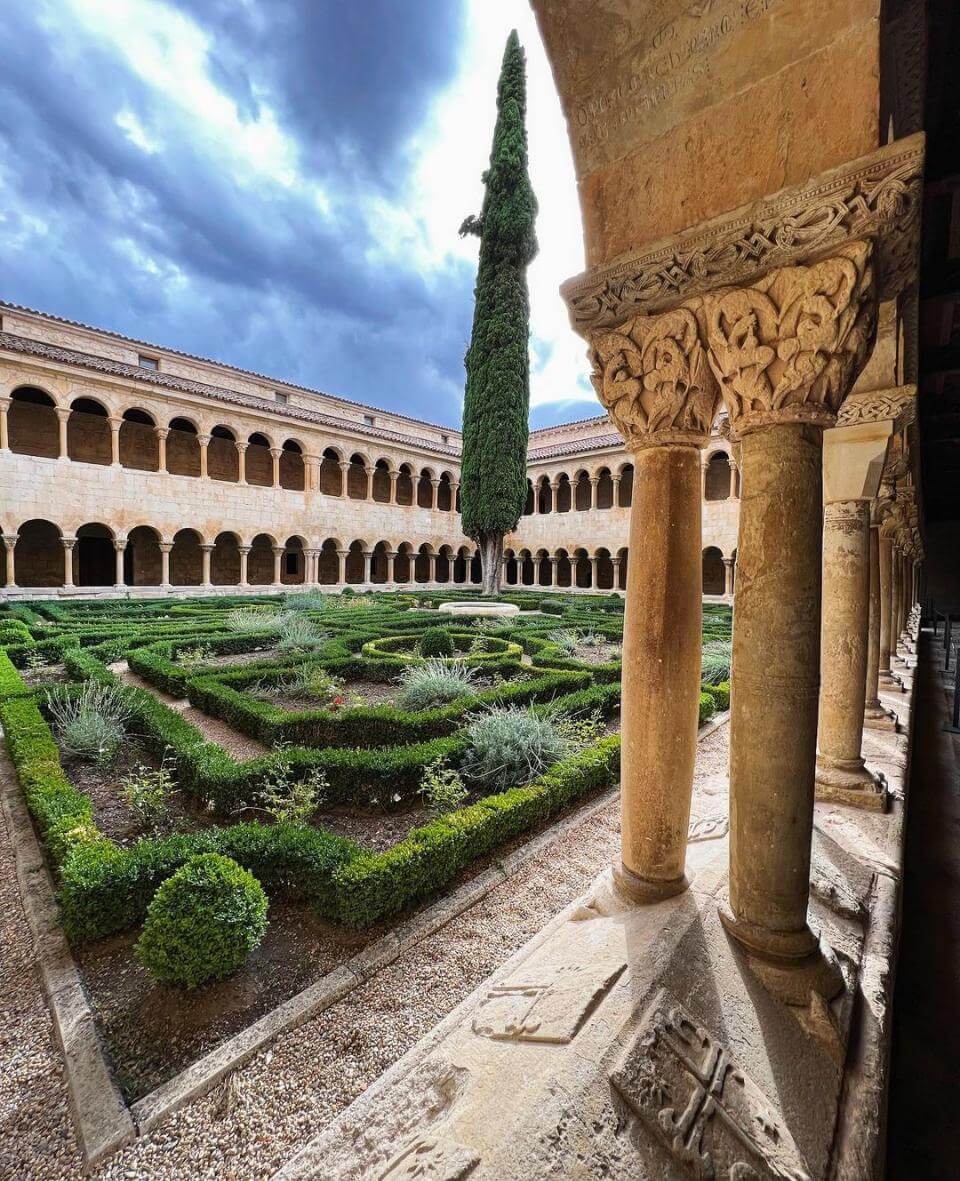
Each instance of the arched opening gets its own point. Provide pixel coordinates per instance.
(444, 493)
(293, 564)
(38, 555)
(717, 478)
(461, 565)
(223, 461)
(88, 436)
(186, 559)
(424, 495)
(33, 427)
(528, 570)
(380, 562)
(531, 497)
(355, 564)
(405, 485)
(544, 496)
(444, 564)
(564, 569)
(622, 569)
(258, 461)
(423, 564)
(582, 569)
(291, 467)
(331, 477)
(225, 560)
(510, 568)
(604, 569)
(713, 573)
(94, 558)
(357, 478)
(564, 497)
(626, 485)
(142, 561)
(582, 492)
(260, 560)
(328, 565)
(605, 489)
(381, 482)
(544, 568)
(139, 445)
(476, 569)
(183, 451)
(402, 563)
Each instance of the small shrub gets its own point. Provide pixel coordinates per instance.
(707, 708)
(313, 683)
(193, 659)
(251, 620)
(433, 683)
(146, 792)
(508, 747)
(306, 601)
(90, 723)
(592, 639)
(551, 607)
(565, 640)
(437, 642)
(579, 732)
(298, 632)
(715, 662)
(203, 922)
(720, 694)
(289, 802)
(442, 788)
(35, 661)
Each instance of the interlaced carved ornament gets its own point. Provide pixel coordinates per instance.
(897, 403)
(654, 379)
(789, 347)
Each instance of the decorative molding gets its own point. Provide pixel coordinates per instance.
(898, 403)
(876, 197)
(789, 347)
(654, 379)
(710, 1116)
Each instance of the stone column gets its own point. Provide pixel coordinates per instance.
(278, 552)
(652, 375)
(434, 489)
(204, 442)
(244, 555)
(342, 566)
(734, 477)
(593, 571)
(115, 425)
(704, 465)
(727, 576)
(275, 453)
(311, 473)
(554, 494)
(241, 462)
(594, 485)
(394, 476)
(10, 545)
(553, 570)
(206, 549)
(370, 474)
(391, 556)
(165, 548)
(894, 602)
(885, 543)
(344, 466)
(68, 543)
(120, 546)
(786, 350)
(63, 417)
(367, 561)
(875, 716)
(434, 558)
(454, 489)
(4, 425)
(616, 491)
(161, 433)
(615, 563)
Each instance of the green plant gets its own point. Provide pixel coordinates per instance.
(496, 401)
(551, 607)
(720, 694)
(89, 722)
(35, 660)
(306, 601)
(289, 801)
(203, 922)
(437, 642)
(565, 640)
(146, 792)
(297, 632)
(592, 639)
(433, 683)
(312, 682)
(578, 731)
(715, 661)
(251, 620)
(509, 746)
(442, 788)
(192, 659)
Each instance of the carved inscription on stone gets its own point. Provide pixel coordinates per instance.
(551, 1007)
(682, 1085)
(426, 1160)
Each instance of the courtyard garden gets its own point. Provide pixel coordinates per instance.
(236, 796)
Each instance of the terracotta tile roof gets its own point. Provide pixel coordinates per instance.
(576, 447)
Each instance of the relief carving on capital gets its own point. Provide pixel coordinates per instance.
(789, 347)
(897, 403)
(653, 377)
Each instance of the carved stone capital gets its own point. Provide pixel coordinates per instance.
(876, 198)
(788, 348)
(897, 404)
(653, 377)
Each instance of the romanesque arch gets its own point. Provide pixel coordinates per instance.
(32, 423)
(713, 572)
(88, 433)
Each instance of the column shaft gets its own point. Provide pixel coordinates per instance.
(120, 547)
(661, 668)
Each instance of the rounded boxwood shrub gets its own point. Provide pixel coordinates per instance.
(203, 922)
(551, 607)
(437, 642)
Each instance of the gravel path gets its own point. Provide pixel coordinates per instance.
(256, 1120)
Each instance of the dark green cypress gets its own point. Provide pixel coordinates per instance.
(496, 406)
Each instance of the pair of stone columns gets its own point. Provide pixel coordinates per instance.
(783, 353)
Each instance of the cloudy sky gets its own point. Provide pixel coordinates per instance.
(278, 184)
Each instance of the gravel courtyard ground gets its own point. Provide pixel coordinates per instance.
(250, 1125)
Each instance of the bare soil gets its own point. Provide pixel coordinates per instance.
(376, 829)
(47, 674)
(153, 1031)
(604, 654)
(240, 658)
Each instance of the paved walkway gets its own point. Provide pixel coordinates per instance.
(925, 1071)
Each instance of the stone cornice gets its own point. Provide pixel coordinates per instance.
(876, 197)
(897, 403)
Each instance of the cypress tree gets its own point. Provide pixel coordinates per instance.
(493, 483)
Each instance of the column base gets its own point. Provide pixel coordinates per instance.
(792, 966)
(642, 891)
(850, 783)
(876, 717)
